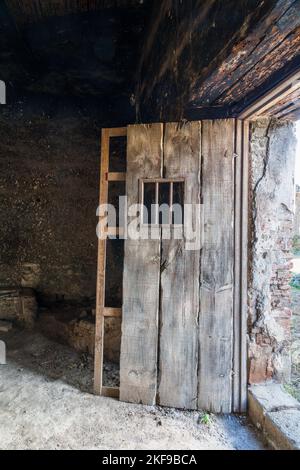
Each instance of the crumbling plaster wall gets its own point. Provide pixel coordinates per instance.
(272, 151)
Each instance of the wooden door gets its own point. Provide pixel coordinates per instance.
(178, 304)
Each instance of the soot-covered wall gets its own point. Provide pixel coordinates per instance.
(49, 184)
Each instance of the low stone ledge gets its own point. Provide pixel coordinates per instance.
(276, 414)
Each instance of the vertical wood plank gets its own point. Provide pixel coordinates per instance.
(179, 305)
(138, 362)
(241, 268)
(237, 267)
(100, 288)
(244, 265)
(216, 291)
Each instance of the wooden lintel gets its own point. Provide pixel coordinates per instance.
(271, 98)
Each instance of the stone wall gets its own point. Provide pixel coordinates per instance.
(272, 165)
(49, 190)
(49, 185)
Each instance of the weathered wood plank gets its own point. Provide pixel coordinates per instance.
(237, 266)
(247, 51)
(112, 312)
(244, 267)
(100, 288)
(269, 104)
(263, 69)
(138, 363)
(114, 176)
(178, 358)
(216, 278)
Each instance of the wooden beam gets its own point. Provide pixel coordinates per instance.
(240, 55)
(271, 98)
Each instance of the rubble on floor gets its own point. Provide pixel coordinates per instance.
(75, 326)
(5, 326)
(276, 414)
(56, 361)
(18, 305)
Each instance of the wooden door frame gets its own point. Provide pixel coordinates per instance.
(264, 106)
(240, 353)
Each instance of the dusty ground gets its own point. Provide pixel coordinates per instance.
(44, 404)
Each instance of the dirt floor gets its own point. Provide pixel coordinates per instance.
(45, 403)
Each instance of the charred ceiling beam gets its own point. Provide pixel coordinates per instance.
(256, 52)
(215, 54)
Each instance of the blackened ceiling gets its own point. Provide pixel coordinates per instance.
(72, 48)
(212, 58)
(172, 59)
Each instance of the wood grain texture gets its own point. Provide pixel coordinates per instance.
(100, 288)
(275, 100)
(244, 267)
(237, 266)
(179, 305)
(216, 278)
(138, 362)
(273, 30)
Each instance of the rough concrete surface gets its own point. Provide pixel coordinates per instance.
(41, 407)
(283, 429)
(277, 414)
(294, 386)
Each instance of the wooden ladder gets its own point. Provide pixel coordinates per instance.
(102, 311)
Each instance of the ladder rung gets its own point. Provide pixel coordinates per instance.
(117, 131)
(111, 392)
(114, 231)
(112, 312)
(116, 176)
